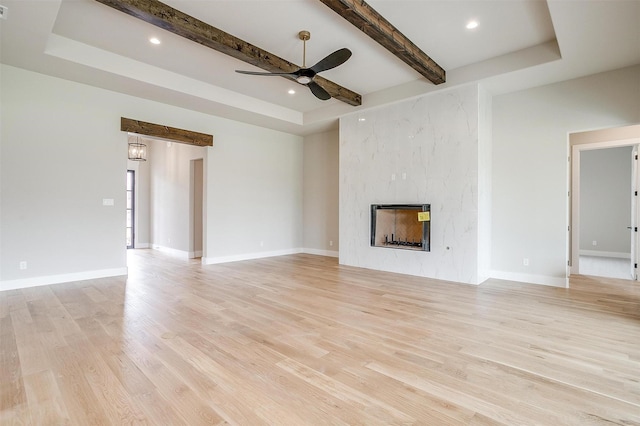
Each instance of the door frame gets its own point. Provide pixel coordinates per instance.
(574, 195)
(634, 213)
(193, 253)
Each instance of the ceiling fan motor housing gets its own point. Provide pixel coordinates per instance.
(305, 76)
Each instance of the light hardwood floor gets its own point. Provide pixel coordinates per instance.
(300, 340)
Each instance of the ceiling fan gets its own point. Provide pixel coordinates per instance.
(305, 76)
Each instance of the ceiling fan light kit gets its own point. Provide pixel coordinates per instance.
(305, 76)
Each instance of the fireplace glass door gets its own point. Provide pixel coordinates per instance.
(401, 226)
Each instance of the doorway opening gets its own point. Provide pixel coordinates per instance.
(166, 206)
(603, 218)
(606, 185)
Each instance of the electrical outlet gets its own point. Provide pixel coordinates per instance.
(525, 261)
(393, 176)
(261, 243)
(23, 265)
(594, 242)
(404, 176)
(331, 243)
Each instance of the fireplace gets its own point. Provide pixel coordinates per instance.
(401, 226)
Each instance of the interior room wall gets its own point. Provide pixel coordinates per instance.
(60, 159)
(605, 202)
(170, 184)
(320, 193)
(254, 192)
(425, 150)
(531, 167)
(63, 153)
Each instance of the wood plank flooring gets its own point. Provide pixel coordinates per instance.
(301, 340)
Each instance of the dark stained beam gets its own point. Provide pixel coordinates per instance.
(164, 132)
(170, 19)
(364, 17)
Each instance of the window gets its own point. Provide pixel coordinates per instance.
(131, 179)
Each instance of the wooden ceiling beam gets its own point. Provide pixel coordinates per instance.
(159, 131)
(370, 22)
(170, 19)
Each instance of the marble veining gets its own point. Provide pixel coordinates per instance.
(420, 151)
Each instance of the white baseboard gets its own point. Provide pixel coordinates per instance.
(62, 278)
(619, 255)
(531, 278)
(194, 254)
(142, 246)
(248, 256)
(317, 252)
(173, 252)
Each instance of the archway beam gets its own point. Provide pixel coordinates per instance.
(159, 131)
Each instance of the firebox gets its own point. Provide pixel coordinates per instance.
(401, 226)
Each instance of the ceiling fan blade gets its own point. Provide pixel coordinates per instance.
(336, 58)
(318, 91)
(279, 74)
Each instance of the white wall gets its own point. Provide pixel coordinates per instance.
(530, 166)
(254, 193)
(320, 206)
(63, 152)
(605, 201)
(432, 146)
(170, 186)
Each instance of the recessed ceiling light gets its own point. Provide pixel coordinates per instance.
(472, 24)
(291, 92)
(362, 119)
(154, 40)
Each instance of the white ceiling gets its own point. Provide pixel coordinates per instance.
(518, 44)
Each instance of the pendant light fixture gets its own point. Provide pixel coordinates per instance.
(137, 150)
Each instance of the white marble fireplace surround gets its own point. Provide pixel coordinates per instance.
(426, 150)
